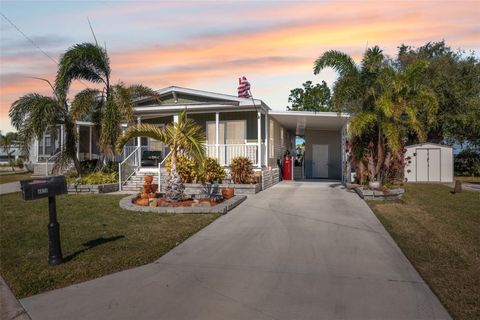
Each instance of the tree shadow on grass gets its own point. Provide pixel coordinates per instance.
(92, 244)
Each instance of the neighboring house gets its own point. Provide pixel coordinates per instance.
(234, 127)
(14, 152)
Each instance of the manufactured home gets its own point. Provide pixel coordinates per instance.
(234, 126)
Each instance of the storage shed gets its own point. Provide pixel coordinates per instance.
(429, 162)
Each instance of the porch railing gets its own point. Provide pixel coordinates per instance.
(128, 166)
(226, 152)
(162, 163)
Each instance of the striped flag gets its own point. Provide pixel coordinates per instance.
(243, 88)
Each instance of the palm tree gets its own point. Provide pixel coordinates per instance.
(384, 103)
(107, 107)
(34, 114)
(6, 142)
(183, 138)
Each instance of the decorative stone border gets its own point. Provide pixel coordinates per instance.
(93, 188)
(391, 194)
(240, 189)
(221, 208)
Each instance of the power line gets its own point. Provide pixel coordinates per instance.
(33, 42)
(28, 38)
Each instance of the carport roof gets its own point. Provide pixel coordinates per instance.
(299, 121)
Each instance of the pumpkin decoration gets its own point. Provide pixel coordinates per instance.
(142, 202)
(147, 188)
(152, 195)
(148, 179)
(144, 195)
(228, 192)
(154, 187)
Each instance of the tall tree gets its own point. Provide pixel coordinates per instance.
(384, 104)
(107, 107)
(454, 76)
(185, 137)
(310, 97)
(34, 114)
(7, 141)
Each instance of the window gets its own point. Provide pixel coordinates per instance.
(230, 132)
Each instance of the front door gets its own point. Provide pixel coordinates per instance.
(320, 161)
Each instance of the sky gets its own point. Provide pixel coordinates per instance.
(209, 44)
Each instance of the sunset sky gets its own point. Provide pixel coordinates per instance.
(208, 45)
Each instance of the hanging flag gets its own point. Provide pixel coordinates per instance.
(243, 88)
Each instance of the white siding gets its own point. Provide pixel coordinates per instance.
(429, 162)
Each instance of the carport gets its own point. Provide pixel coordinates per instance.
(325, 135)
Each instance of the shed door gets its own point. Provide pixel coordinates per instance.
(433, 164)
(320, 161)
(422, 164)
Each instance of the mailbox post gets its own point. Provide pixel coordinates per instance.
(48, 187)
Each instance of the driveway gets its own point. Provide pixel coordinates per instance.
(9, 187)
(299, 250)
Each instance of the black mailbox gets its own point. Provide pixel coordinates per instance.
(43, 187)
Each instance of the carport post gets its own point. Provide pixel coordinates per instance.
(259, 139)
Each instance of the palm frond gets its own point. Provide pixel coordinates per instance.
(142, 130)
(372, 59)
(84, 103)
(362, 122)
(36, 112)
(338, 61)
(85, 61)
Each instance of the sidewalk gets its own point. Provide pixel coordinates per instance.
(9, 187)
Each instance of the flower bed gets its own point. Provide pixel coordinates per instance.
(194, 205)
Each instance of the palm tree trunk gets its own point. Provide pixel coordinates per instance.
(174, 190)
(71, 145)
(380, 155)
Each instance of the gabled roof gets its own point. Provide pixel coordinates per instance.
(208, 95)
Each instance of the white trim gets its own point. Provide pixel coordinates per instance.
(265, 162)
(311, 114)
(259, 139)
(217, 132)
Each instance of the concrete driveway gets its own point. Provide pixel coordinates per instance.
(300, 250)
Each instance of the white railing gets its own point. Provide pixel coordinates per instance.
(226, 152)
(160, 170)
(49, 160)
(128, 167)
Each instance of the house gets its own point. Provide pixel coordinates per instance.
(234, 127)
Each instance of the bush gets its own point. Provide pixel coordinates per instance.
(467, 163)
(242, 170)
(19, 163)
(186, 168)
(93, 178)
(211, 170)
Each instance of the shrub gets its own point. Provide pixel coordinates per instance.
(467, 163)
(19, 163)
(211, 170)
(186, 168)
(110, 167)
(242, 170)
(93, 178)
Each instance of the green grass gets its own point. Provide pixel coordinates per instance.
(13, 176)
(97, 237)
(439, 232)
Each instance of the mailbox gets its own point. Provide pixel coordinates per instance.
(43, 187)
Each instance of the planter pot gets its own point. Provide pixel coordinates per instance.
(228, 192)
(154, 187)
(148, 179)
(152, 195)
(144, 196)
(374, 184)
(147, 188)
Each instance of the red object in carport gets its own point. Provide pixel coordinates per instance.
(287, 168)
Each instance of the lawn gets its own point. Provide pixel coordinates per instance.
(97, 236)
(14, 176)
(439, 232)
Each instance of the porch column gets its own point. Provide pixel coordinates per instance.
(175, 118)
(78, 142)
(259, 139)
(90, 145)
(265, 162)
(36, 144)
(139, 143)
(217, 135)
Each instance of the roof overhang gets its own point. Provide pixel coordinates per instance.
(299, 121)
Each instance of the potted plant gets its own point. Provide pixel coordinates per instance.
(148, 179)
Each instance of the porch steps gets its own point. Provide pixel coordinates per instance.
(136, 181)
